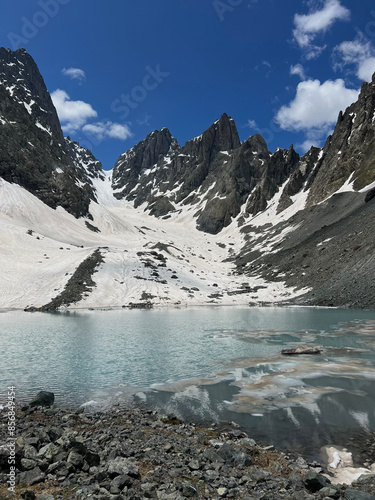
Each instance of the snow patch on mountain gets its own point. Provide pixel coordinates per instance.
(166, 263)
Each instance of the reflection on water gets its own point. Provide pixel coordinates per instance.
(301, 402)
(205, 364)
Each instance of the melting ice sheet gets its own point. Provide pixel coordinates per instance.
(301, 402)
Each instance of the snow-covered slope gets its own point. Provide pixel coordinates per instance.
(166, 262)
(216, 221)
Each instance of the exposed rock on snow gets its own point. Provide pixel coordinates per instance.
(303, 349)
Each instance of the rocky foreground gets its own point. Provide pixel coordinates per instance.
(139, 454)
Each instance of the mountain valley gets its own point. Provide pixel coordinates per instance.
(216, 221)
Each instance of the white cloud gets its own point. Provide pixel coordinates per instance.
(74, 73)
(73, 114)
(366, 69)
(308, 26)
(103, 130)
(298, 70)
(358, 53)
(252, 124)
(315, 108)
(313, 138)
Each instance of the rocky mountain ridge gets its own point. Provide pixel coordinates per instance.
(223, 177)
(33, 151)
(256, 219)
(214, 172)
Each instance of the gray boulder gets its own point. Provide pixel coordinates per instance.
(43, 398)
(31, 477)
(231, 456)
(315, 482)
(122, 467)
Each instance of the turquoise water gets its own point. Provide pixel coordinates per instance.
(205, 362)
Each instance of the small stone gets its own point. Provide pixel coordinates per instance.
(295, 481)
(222, 492)
(92, 458)
(194, 465)
(189, 491)
(30, 452)
(248, 442)
(75, 459)
(28, 464)
(121, 481)
(211, 455)
(149, 489)
(329, 492)
(351, 494)
(301, 463)
(28, 495)
(231, 456)
(48, 451)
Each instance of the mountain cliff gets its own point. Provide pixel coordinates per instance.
(216, 220)
(33, 151)
(214, 173)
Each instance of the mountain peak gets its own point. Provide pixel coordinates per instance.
(143, 156)
(220, 136)
(227, 135)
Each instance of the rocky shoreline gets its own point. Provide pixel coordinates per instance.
(136, 453)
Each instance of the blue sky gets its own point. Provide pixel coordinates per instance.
(117, 70)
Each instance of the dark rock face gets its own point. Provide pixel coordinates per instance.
(161, 207)
(33, 151)
(214, 173)
(130, 167)
(350, 150)
(221, 136)
(84, 161)
(299, 178)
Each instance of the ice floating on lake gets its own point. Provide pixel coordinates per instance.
(89, 403)
(341, 466)
(141, 395)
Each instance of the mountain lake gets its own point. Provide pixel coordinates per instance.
(204, 364)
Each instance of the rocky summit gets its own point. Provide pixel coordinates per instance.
(215, 221)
